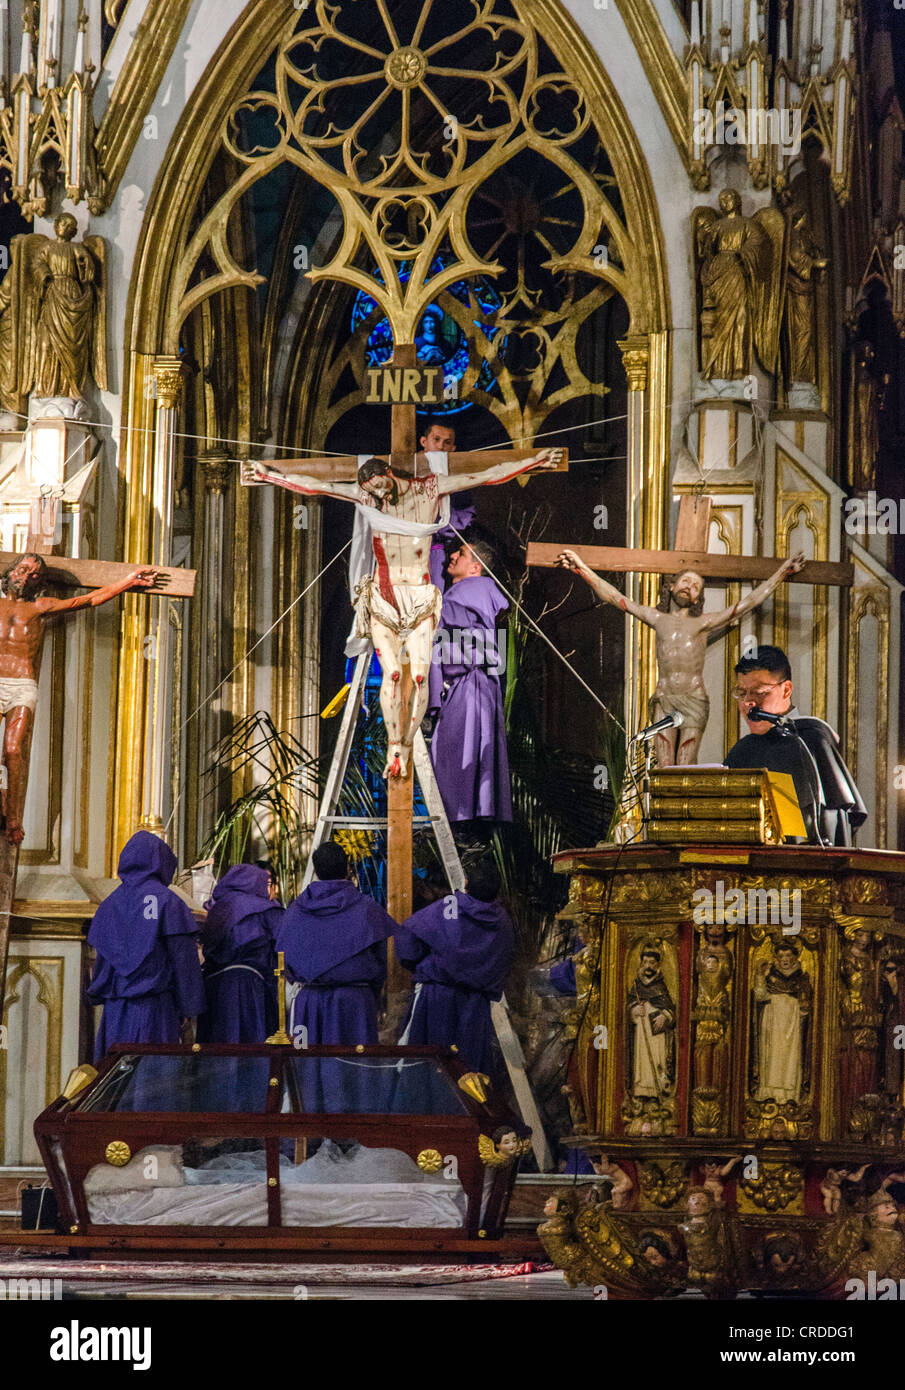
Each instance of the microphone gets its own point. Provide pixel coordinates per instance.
(764, 716)
(672, 721)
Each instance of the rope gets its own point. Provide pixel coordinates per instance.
(540, 632)
(285, 613)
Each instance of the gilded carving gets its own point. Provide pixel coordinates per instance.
(707, 1245)
(712, 1014)
(861, 1018)
(799, 323)
(53, 315)
(663, 1184)
(777, 1187)
(740, 267)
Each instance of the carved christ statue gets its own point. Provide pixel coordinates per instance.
(683, 631)
(397, 607)
(23, 620)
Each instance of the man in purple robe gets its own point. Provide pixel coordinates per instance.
(439, 435)
(237, 939)
(334, 938)
(468, 749)
(147, 974)
(460, 951)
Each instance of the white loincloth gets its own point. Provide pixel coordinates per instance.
(694, 708)
(17, 693)
(415, 602)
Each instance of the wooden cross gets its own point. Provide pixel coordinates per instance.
(403, 456)
(690, 553)
(81, 574)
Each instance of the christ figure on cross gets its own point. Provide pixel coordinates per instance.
(397, 607)
(23, 620)
(683, 631)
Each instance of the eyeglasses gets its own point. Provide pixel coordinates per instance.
(755, 695)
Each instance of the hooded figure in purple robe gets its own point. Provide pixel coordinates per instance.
(147, 974)
(459, 956)
(334, 938)
(468, 749)
(238, 936)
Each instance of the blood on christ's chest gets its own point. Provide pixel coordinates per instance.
(417, 499)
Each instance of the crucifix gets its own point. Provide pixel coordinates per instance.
(397, 607)
(682, 629)
(24, 616)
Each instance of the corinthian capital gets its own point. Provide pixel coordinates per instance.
(168, 375)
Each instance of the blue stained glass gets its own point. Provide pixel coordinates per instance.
(439, 341)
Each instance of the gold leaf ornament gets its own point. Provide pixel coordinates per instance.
(430, 1161)
(118, 1153)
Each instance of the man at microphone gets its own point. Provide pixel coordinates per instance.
(781, 740)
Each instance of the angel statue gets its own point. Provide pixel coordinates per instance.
(503, 1148)
(52, 316)
(741, 264)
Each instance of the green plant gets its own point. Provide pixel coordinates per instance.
(284, 783)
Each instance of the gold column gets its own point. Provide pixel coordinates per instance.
(211, 658)
(645, 357)
(158, 644)
(147, 458)
(635, 359)
(136, 466)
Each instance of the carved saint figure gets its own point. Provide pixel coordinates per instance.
(397, 605)
(713, 1008)
(799, 325)
(23, 620)
(52, 316)
(740, 271)
(892, 1004)
(861, 1020)
(651, 1051)
(683, 632)
(782, 994)
(866, 395)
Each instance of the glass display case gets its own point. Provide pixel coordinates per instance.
(258, 1145)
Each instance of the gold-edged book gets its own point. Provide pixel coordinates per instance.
(722, 782)
(706, 808)
(724, 806)
(710, 832)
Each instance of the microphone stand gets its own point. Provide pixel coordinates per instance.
(788, 731)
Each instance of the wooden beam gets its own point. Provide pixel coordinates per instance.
(718, 569)
(344, 469)
(400, 789)
(95, 574)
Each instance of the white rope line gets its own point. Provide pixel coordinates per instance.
(128, 428)
(540, 632)
(285, 613)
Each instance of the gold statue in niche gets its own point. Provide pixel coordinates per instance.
(866, 393)
(53, 316)
(712, 1014)
(799, 324)
(861, 1018)
(740, 265)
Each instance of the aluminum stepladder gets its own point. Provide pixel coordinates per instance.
(328, 820)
